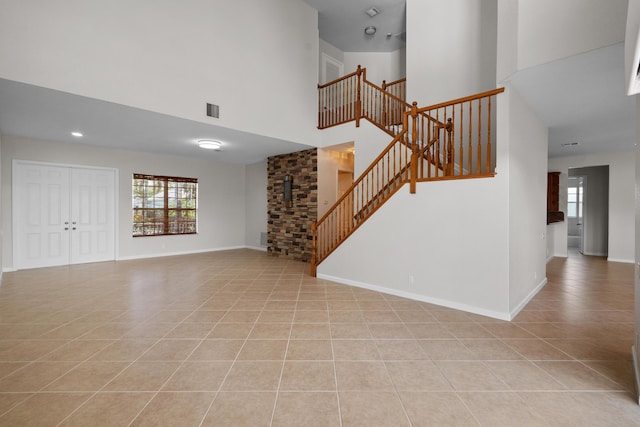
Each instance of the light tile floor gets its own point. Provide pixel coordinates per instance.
(241, 338)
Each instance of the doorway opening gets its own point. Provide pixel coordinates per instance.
(588, 211)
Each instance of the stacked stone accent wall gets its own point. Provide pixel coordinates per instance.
(289, 228)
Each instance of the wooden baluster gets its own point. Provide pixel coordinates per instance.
(449, 147)
(470, 160)
(479, 137)
(489, 136)
(461, 147)
(358, 96)
(414, 147)
(314, 255)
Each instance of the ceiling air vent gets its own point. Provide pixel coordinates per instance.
(570, 144)
(213, 110)
(372, 11)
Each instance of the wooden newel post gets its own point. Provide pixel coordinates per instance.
(314, 232)
(414, 148)
(450, 155)
(358, 96)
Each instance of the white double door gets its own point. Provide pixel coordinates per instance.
(62, 215)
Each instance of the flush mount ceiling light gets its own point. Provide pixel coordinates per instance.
(77, 134)
(372, 11)
(370, 30)
(210, 144)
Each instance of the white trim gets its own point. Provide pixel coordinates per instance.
(165, 254)
(257, 248)
(627, 261)
(8, 270)
(527, 299)
(324, 59)
(418, 297)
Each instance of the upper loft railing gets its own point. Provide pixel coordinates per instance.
(353, 97)
(450, 140)
(397, 88)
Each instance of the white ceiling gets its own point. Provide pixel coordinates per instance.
(582, 99)
(40, 113)
(342, 23)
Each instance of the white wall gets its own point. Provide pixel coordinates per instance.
(258, 60)
(451, 49)
(550, 29)
(221, 199)
(369, 141)
(621, 200)
(333, 52)
(527, 170)
(256, 203)
(455, 259)
(380, 66)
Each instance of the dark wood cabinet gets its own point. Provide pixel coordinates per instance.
(553, 198)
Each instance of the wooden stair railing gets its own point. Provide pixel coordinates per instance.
(450, 140)
(386, 174)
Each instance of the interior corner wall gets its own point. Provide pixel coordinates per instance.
(527, 147)
(549, 30)
(289, 226)
(451, 49)
(622, 169)
(256, 59)
(331, 51)
(221, 199)
(256, 203)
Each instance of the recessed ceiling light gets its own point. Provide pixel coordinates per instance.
(210, 144)
(370, 30)
(77, 134)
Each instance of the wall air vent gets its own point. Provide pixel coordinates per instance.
(213, 110)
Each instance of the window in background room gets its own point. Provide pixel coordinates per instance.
(574, 199)
(164, 205)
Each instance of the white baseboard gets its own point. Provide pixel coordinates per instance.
(626, 261)
(528, 298)
(166, 254)
(594, 253)
(8, 269)
(418, 297)
(257, 248)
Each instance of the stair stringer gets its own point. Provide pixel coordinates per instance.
(446, 245)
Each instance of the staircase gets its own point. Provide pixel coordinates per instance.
(451, 140)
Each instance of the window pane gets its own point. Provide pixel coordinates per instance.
(571, 210)
(163, 205)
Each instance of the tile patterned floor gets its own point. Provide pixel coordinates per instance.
(239, 338)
